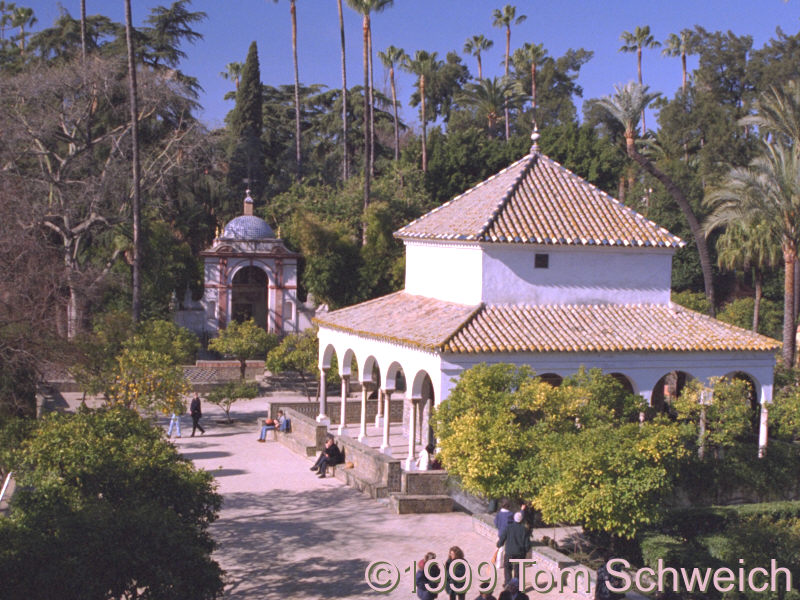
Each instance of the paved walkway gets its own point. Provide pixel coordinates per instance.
(284, 533)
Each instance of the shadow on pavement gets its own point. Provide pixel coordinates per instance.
(205, 454)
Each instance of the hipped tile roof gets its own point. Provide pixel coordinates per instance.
(447, 327)
(536, 200)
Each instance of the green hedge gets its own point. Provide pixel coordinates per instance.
(690, 522)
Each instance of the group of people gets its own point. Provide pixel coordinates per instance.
(269, 424)
(195, 410)
(454, 578)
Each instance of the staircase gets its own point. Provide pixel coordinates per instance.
(422, 492)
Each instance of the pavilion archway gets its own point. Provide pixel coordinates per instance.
(249, 299)
(667, 389)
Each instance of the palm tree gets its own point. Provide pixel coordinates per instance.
(345, 166)
(390, 57)
(634, 42)
(749, 246)
(364, 8)
(424, 65)
(22, 17)
(474, 46)
(233, 71)
(767, 191)
(6, 16)
(530, 56)
(506, 18)
(626, 105)
(778, 114)
(136, 304)
(681, 45)
(489, 97)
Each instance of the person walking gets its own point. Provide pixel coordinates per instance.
(196, 412)
(174, 423)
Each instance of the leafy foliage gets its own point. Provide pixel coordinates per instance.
(296, 353)
(227, 394)
(243, 341)
(110, 509)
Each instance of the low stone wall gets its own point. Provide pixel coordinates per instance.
(307, 436)
(372, 472)
(424, 482)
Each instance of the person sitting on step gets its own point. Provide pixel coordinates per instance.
(331, 455)
(268, 425)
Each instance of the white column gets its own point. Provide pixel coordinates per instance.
(385, 447)
(343, 424)
(411, 462)
(379, 415)
(365, 389)
(322, 417)
(762, 432)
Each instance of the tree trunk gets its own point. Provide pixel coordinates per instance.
(683, 80)
(688, 213)
(639, 71)
(83, 30)
(533, 91)
(757, 282)
(480, 67)
(505, 103)
(789, 256)
(345, 167)
(136, 308)
(396, 123)
(365, 28)
(76, 312)
(371, 107)
(296, 88)
(424, 130)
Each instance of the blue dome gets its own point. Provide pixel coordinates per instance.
(248, 228)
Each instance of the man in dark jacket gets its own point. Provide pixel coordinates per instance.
(330, 456)
(196, 412)
(517, 542)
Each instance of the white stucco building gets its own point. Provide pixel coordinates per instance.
(535, 266)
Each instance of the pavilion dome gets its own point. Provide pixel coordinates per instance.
(248, 227)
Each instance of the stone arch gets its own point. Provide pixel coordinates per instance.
(348, 358)
(422, 391)
(668, 387)
(370, 372)
(249, 294)
(624, 381)
(395, 377)
(326, 357)
(554, 379)
(752, 399)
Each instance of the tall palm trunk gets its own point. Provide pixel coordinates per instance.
(345, 167)
(365, 30)
(480, 67)
(683, 65)
(396, 122)
(505, 104)
(789, 257)
(758, 281)
(293, 9)
(688, 213)
(83, 30)
(639, 71)
(136, 304)
(371, 105)
(533, 91)
(424, 125)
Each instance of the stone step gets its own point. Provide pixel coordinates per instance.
(408, 504)
(348, 476)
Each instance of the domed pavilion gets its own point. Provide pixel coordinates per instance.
(249, 273)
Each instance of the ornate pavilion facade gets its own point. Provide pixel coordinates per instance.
(534, 266)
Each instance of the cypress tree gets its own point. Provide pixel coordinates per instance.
(247, 150)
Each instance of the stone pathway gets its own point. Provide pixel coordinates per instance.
(284, 533)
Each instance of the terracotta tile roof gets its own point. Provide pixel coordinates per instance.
(401, 318)
(601, 328)
(447, 327)
(536, 200)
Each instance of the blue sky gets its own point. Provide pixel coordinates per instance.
(441, 26)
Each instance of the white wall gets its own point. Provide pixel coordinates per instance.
(449, 271)
(575, 275)
(642, 369)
